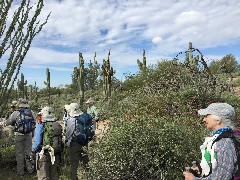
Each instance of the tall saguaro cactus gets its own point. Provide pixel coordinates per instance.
(143, 65)
(107, 74)
(21, 87)
(36, 92)
(192, 61)
(81, 78)
(48, 87)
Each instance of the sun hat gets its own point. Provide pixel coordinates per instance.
(14, 103)
(222, 110)
(47, 114)
(90, 100)
(22, 103)
(74, 110)
(67, 107)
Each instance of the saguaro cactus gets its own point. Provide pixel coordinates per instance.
(21, 86)
(190, 59)
(48, 87)
(36, 93)
(143, 65)
(107, 74)
(81, 78)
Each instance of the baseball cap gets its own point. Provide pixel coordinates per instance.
(223, 110)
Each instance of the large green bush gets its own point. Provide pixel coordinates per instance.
(147, 148)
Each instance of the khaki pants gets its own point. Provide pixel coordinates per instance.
(76, 154)
(23, 145)
(46, 170)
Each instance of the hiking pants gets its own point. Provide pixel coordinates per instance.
(23, 145)
(76, 154)
(46, 170)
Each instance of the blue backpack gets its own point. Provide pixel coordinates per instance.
(26, 123)
(83, 132)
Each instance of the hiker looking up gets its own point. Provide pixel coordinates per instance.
(92, 110)
(218, 151)
(78, 134)
(47, 145)
(24, 121)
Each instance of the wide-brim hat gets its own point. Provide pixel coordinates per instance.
(74, 110)
(22, 103)
(47, 114)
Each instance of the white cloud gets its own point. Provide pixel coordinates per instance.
(163, 28)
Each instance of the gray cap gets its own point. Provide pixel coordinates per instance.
(222, 110)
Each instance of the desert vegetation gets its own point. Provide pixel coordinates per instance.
(151, 127)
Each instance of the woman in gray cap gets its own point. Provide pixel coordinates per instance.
(219, 156)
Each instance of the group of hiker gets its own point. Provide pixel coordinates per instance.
(40, 140)
(220, 152)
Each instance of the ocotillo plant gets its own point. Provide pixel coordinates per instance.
(143, 65)
(16, 38)
(81, 78)
(48, 85)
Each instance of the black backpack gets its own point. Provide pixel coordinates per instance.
(83, 132)
(25, 123)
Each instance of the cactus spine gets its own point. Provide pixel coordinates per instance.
(81, 78)
(143, 65)
(48, 87)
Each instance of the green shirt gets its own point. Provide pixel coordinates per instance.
(93, 112)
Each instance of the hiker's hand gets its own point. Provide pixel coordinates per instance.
(188, 175)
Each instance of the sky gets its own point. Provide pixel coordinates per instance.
(162, 27)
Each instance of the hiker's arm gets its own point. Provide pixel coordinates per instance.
(37, 138)
(226, 156)
(12, 119)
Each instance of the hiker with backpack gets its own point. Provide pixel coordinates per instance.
(220, 154)
(47, 145)
(78, 133)
(92, 110)
(24, 121)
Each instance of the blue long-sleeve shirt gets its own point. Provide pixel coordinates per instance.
(38, 138)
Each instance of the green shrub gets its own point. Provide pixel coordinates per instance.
(147, 148)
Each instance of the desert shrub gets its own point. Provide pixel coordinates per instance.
(147, 148)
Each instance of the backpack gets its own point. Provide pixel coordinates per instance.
(52, 136)
(83, 131)
(26, 122)
(236, 140)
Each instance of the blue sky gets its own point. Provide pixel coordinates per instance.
(162, 27)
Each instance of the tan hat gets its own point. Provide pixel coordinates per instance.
(74, 110)
(90, 100)
(22, 103)
(47, 114)
(67, 107)
(14, 103)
